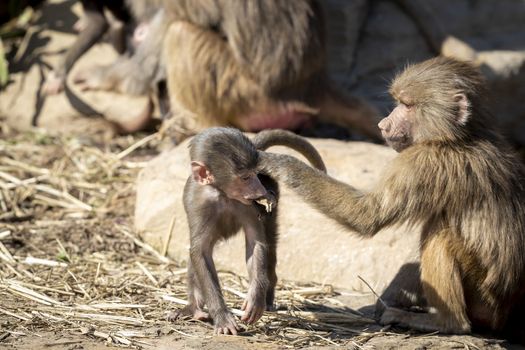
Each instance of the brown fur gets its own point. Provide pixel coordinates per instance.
(456, 177)
(253, 65)
(267, 57)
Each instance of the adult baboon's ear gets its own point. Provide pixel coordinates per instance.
(463, 108)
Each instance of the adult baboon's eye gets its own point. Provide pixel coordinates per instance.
(406, 105)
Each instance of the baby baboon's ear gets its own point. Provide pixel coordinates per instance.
(201, 173)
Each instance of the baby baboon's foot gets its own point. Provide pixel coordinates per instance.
(188, 311)
(225, 323)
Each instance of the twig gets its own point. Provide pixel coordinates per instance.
(116, 306)
(167, 239)
(98, 272)
(24, 166)
(37, 261)
(335, 317)
(373, 291)
(174, 299)
(49, 289)
(136, 145)
(78, 284)
(31, 294)
(327, 289)
(48, 190)
(8, 255)
(235, 292)
(5, 234)
(147, 273)
(184, 334)
(14, 315)
(24, 182)
(110, 318)
(146, 246)
(11, 268)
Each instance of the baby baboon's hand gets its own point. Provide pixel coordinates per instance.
(253, 308)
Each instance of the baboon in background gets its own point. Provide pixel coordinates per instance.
(224, 194)
(456, 177)
(92, 26)
(133, 15)
(250, 64)
(127, 28)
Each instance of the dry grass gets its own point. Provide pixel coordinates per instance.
(70, 261)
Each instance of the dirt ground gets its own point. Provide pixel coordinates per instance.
(74, 274)
(206, 342)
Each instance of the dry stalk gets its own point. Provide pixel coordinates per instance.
(115, 287)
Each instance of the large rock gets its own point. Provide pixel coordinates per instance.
(312, 247)
(390, 38)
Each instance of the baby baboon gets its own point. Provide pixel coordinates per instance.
(226, 193)
(456, 177)
(253, 65)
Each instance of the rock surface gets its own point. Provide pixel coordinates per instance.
(23, 105)
(312, 247)
(369, 51)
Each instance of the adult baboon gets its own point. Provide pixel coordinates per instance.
(250, 64)
(456, 177)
